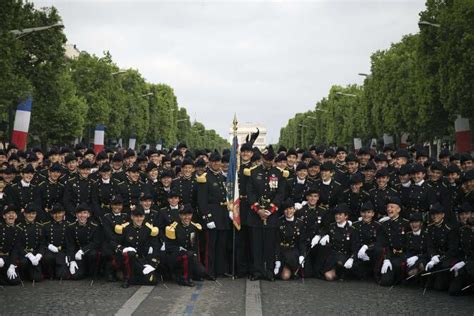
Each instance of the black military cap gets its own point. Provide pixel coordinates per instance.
(388, 148)
(69, 158)
(150, 166)
(465, 157)
(53, 151)
(117, 157)
(268, 153)
(394, 200)
(245, 147)
(291, 152)
(31, 208)
(287, 204)
(436, 165)
(167, 174)
(416, 217)
(327, 166)
(172, 194)
(468, 176)
(32, 158)
(370, 166)
(436, 208)
(351, 158)
(339, 149)
(363, 151)
(37, 150)
(152, 151)
(129, 153)
(453, 168)
(320, 149)
(187, 162)
(301, 166)
(404, 170)
(82, 207)
(341, 208)
(422, 152)
(329, 153)
(314, 163)
(175, 153)
(146, 196)
(200, 163)
(382, 173)
(418, 168)
(80, 147)
(9, 170)
(141, 158)
(105, 168)
(367, 206)
(299, 151)
(380, 158)
(102, 155)
(186, 209)
(58, 207)
(134, 168)
(356, 178)
(166, 158)
(9, 208)
(85, 164)
(138, 211)
(78, 154)
(116, 199)
(89, 151)
(401, 153)
(56, 167)
(311, 190)
(281, 157)
(465, 207)
(182, 145)
(281, 149)
(176, 163)
(28, 169)
(215, 156)
(225, 159)
(444, 153)
(13, 157)
(454, 157)
(306, 155)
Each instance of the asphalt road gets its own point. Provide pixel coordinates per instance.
(229, 297)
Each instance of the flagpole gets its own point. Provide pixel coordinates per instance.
(234, 134)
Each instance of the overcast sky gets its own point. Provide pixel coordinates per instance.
(264, 61)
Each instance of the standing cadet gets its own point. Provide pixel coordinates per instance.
(169, 214)
(49, 192)
(265, 191)
(329, 189)
(31, 247)
(9, 246)
(355, 196)
(421, 195)
(54, 261)
(83, 238)
(212, 202)
(381, 194)
(186, 185)
(298, 186)
(78, 190)
(132, 188)
(151, 214)
(102, 192)
(182, 248)
(22, 193)
(137, 246)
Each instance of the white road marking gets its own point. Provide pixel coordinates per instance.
(253, 302)
(134, 301)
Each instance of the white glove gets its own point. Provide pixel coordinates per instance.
(73, 267)
(163, 247)
(150, 250)
(147, 269)
(2, 263)
(384, 219)
(67, 261)
(79, 254)
(362, 254)
(458, 266)
(315, 240)
(349, 263)
(360, 218)
(435, 259)
(231, 216)
(411, 261)
(211, 225)
(182, 249)
(386, 266)
(430, 265)
(324, 240)
(128, 249)
(298, 206)
(36, 259)
(301, 261)
(11, 273)
(53, 248)
(349, 222)
(30, 257)
(304, 203)
(277, 267)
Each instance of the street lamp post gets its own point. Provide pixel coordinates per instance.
(363, 74)
(118, 72)
(23, 32)
(339, 94)
(149, 94)
(428, 23)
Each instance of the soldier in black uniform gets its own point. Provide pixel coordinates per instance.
(102, 192)
(152, 180)
(329, 189)
(392, 242)
(166, 179)
(298, 186)
(78, 190)
(355, 196)
(31, 245)
(9, 246)
(366, 229)
(212, 201)
(314, 168)
(168, 215)
(421, 194)
(265, 191)
(132, 188)
(463, 270)
(49, 192)
(291, 244)
(417, 246)
(137, 249)
(404, 187)
(182, 248)
(71, 170)
(83, 239)
(151, 214)
(186, 185)
(380, 194)
(118, 172)
(343, 242)
(109, 221)
(54, 257)
(444, 250)
(22, 193)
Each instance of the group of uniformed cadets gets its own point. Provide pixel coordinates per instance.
(397, 216)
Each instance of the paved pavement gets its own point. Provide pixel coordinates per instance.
(228, 297)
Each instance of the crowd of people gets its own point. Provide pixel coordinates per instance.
(394, 216)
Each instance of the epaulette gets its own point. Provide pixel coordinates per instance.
(72, 224)
(119, 228)
(337, 182)
(61, 184)
(356, 222)
(46, 223)
(248, 171)
(372, 190)
(430, 224)
(170, 231)
(202, 178)
(93, 224)
(405, 220)
(154, 230)
(393, 189)
(197, 225)
(284, 173)
(41, 183)
(345, 191)
(19, 227)
(449, 228)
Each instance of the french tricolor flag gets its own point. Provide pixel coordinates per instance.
(22, 123)
(99, 136)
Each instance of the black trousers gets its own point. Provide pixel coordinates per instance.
(54, 265)
(88, 266)
(396, 274)
(28, 271)
(216, 252)
(263, 243)
(133, 265)
(185, 265)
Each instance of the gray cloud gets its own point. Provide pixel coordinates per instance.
(263, 60)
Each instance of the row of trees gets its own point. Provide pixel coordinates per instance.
(72, 96)
(417, 86)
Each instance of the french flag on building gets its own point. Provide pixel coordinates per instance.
(22, 123)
